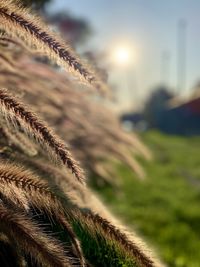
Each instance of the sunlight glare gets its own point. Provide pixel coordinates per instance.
(121, 55)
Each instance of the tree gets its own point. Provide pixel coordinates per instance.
(37, 4)
(75, 30)
(156, 103)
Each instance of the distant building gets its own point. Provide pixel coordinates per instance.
(182, 118)
(172, 116)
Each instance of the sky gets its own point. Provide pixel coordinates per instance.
(149, 29)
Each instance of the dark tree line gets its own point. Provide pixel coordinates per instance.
(37, 4)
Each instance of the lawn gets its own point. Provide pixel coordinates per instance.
(165, 208)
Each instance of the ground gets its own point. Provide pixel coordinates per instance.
(165, 208)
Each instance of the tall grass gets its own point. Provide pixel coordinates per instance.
(48, 218)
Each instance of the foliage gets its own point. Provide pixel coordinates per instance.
(164, 209)
(156, 104)
(36, 3)
(75, 30)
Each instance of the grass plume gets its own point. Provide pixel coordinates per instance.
(17, 114)
(26, 234)
(37, 195)
(18, 21)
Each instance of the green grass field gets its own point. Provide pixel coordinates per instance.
(165, 208)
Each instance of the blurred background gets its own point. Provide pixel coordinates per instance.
(148, 53)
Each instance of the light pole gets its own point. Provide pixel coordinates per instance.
(181, 55)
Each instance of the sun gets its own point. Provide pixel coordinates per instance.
(121, 55)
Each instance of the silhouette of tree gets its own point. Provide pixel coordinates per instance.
(75, 30)
(37, 4)
(156, 103)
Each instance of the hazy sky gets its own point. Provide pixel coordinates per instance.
(149, 27)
